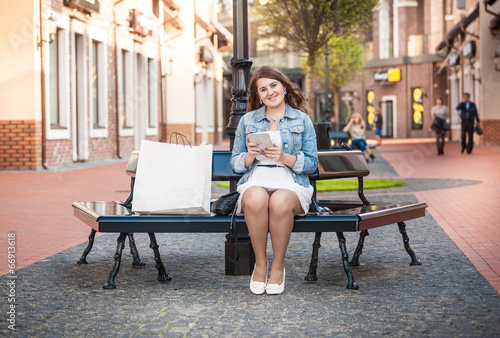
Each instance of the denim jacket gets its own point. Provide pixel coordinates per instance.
(298, 139)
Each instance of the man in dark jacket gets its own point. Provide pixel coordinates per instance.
(468, 112)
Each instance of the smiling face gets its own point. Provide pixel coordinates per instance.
(271, 92)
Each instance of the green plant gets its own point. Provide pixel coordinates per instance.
(345, 184)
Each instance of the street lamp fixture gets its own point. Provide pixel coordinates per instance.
(52, 30)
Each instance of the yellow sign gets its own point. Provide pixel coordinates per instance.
(370, 101)
(394, 75)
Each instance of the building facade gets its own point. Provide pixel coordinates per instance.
(419, 50)
(88, 80)
(400, 70)
(471, 60)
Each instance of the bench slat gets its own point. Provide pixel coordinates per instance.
(113, 217)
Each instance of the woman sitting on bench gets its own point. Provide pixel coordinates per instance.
(356, 128)
(275, 186)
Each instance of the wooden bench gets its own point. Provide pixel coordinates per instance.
(344, 216)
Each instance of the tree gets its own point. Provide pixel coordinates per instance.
(345, 61)
(309, 24)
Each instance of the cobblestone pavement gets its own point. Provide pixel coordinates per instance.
(446, 296)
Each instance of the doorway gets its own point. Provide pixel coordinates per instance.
(387, 107)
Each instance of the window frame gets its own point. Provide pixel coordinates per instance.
(97, 37)
(125, 85)
(60, 130)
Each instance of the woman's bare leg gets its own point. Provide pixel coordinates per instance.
(283, 206)
(255, 206)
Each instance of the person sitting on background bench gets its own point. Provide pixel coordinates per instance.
(275, 189)
(356, 128)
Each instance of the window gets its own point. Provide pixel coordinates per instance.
(57, 82)
(152, 93)
(156, 8)
(55, 119)
(95, 84)
(384, 31)
(126, 115)
(98, 75)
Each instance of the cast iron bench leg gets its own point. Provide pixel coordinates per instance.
(83, 259)
(359, 248)
(406, 241)
(118, 257)
(351, 284)
(162, 273)
(311, 275)
(136, 262)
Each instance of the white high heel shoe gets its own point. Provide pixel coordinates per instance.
(257, 288)
(276, 289)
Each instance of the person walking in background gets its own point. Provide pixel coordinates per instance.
(378, 126)
(440, 124)
(275, 185)
(468, 111)
(356, 128)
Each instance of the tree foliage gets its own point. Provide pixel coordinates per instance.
(345, 61)
(309, 24)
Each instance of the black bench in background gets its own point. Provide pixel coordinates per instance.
(345, 216)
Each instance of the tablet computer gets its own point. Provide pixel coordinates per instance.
(263, 139)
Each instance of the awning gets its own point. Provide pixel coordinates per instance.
(171, 4)
(205, 25)
(224, 37)
(451, 55)
(172, 19)
(457, 29)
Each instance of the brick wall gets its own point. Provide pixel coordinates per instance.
(19, 149)
(491, 132)
(187, 130)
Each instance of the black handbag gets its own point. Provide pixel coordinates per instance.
(479, 130)
(225, 204)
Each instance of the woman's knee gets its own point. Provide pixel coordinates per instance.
(255, 199)
(283, 203)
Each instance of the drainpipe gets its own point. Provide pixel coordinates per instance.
(117, 101)
(42, 76)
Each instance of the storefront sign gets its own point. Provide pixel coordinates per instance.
(370, 108)
(84, 5)
(390, 75)
(140, 23)
(417, 108)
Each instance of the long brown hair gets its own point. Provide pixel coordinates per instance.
(294, 97)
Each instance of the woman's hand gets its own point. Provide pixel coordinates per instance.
(275, 153)
(253, 149)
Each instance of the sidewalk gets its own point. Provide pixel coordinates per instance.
(37, 205)
(469, 215)
(446, 296)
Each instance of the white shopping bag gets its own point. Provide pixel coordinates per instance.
(173, 179)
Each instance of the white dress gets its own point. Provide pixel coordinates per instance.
(275, 178)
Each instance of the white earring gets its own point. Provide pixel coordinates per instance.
(260, 101)
(285, 91)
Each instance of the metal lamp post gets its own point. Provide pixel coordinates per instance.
(240, 64)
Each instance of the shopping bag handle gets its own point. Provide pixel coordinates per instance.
(182, 137)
